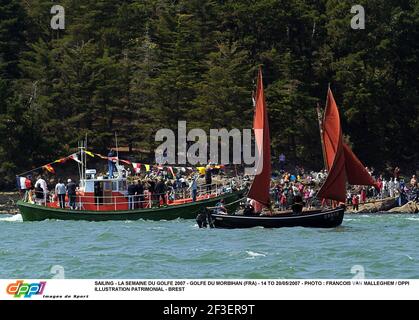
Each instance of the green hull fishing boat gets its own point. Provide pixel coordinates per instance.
(36, 212)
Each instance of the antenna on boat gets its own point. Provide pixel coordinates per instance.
(117, 152)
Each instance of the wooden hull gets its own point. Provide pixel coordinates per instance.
(312, 219)
(33, 212)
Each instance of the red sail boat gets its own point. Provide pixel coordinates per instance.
(342, 164)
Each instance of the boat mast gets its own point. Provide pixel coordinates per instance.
(117, 152)
(319, 119)
(82, 164)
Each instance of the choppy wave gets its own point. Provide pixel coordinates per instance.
(255, 254)
(13, 218)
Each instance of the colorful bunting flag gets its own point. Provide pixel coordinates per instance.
(89, 153)
(137, 167)
(62, 160)
(147, 167)
(49, 168)
(75, 157)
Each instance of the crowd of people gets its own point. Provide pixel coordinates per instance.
(286, 186)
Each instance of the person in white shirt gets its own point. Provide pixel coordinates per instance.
(42, 183)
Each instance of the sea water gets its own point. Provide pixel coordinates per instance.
(373, 246)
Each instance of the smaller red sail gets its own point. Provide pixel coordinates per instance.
(259, 189)
(355, 170)
(334, 187)
(341, 162)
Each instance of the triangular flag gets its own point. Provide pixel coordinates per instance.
(100, 156)
(147, 167)
(49, 168)
(137, 167)
(75, 157)
(62, 160)
(89, 153)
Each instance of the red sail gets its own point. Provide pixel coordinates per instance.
(332, 132)
(355, 170)
(334, 187)
(341, 162)
(259, 190)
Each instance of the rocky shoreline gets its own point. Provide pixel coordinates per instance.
(8, 202)
(384, 206)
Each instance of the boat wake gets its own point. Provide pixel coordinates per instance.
(13, 218)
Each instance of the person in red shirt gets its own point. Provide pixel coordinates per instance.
(355, 202)
(28, 183)
(363, 195)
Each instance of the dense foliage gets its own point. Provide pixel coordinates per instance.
(134, 66)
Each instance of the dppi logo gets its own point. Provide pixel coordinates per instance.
(27, 290)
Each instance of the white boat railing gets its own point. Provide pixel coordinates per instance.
(136, 201)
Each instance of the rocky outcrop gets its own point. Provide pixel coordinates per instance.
(375, 206)
(410, 207)
(7, 202)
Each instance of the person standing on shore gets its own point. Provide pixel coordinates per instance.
(413, 181)
(281, 162)
(396, 173)
(355, 202)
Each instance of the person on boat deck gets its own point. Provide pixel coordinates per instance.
(60, 192)
(160, 192)
(43, 185)
(249, 210)
(132, 190)
(256, 205)
(139, 198)
(221, 209)
(22, 185)
(71, 192)
(98, 193)
(297, 206)
(193, 186)
(111, 165)
(28, 183)
(208, 177)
